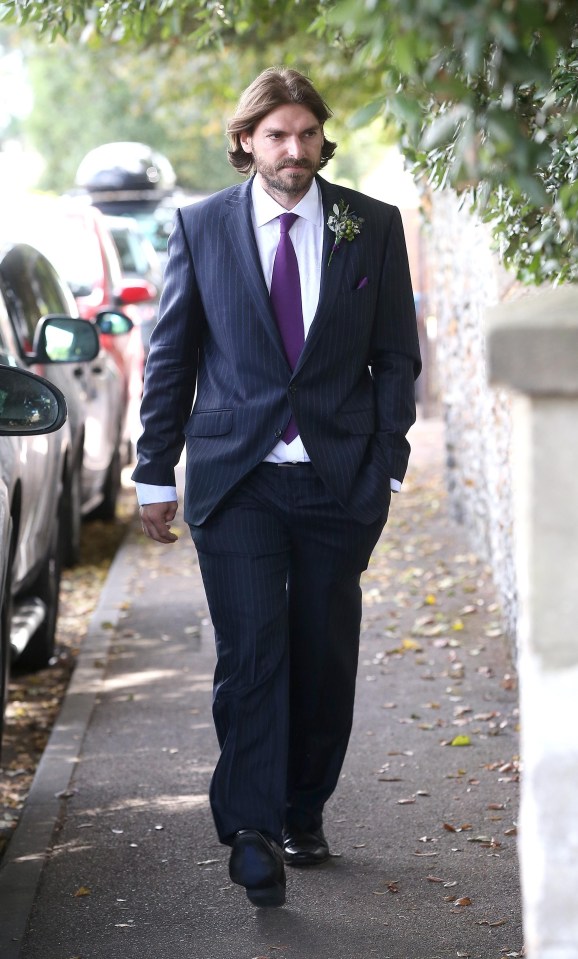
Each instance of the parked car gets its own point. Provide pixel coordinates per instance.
(32, 490)
(155, 219)
(74, 236)
(32, 289)
(127, 178)
(139, 261)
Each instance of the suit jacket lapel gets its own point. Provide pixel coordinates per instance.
(331, 273)
(239, 229)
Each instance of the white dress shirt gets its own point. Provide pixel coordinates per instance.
(307, 238)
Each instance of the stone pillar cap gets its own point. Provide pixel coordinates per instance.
(533, 343)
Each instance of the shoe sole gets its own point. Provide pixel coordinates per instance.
(304, 862)
(257, 873)
(272, 897)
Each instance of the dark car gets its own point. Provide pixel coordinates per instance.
(132, 179)
(32, 492)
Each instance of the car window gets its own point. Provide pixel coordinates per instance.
(32, 289)
(4, 321)
(130, 251)
(75, 251)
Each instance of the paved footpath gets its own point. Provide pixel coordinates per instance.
(115, 856)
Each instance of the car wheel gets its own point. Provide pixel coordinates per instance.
(72, 516)
(40, 648)
(107, 509)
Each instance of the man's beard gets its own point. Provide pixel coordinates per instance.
(292, 184)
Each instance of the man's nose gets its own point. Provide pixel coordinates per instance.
(295, 147)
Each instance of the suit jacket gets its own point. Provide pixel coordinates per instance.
(217, 375)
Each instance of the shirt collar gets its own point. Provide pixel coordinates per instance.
(266, 208)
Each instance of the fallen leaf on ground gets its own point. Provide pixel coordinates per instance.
(461, 741)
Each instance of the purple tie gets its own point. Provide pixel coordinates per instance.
(286, 301)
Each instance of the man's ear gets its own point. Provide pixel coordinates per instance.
(246, 142)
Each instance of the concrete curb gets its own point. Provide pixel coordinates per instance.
(30, 844)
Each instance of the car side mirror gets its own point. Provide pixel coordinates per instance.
(65, 339)
(29, 404)
(113, 323)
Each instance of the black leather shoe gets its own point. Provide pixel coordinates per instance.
(257, 864)
(305, 848)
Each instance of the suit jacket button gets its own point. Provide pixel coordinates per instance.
(292, 389)
(278, 433)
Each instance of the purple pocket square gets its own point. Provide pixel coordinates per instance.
(363, 282)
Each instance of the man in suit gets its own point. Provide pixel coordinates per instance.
(285, 355)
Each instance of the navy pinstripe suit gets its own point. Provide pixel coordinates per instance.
(281, 550)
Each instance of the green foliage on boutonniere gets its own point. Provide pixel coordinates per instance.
(344, 224)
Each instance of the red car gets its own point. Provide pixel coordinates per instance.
(75, 237)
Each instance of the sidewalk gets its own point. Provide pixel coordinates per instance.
(422, 831)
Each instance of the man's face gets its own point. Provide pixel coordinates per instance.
(286, 147)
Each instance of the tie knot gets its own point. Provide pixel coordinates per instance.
(287, 220)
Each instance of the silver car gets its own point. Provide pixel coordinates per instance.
(32, 288)
(31, 491)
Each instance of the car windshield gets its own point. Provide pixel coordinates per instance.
(156, 226)
(131, 252)
(75, 252)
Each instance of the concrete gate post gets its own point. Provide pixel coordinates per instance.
(533, 351)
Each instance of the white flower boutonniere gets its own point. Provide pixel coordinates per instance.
(344, 224)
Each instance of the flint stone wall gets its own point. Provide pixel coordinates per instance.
(465, 279)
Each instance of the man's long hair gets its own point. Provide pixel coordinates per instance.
(275, 87)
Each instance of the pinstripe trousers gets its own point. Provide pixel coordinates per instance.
(281, 562)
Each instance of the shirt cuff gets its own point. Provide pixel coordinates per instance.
(395, 486)
(147, 493)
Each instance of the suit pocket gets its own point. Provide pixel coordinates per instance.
(358, 421)
(209, 423)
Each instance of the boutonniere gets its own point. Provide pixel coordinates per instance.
(344, 224)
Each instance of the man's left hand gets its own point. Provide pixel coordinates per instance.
(156, 519)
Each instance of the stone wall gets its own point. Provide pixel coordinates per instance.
(465, 279)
